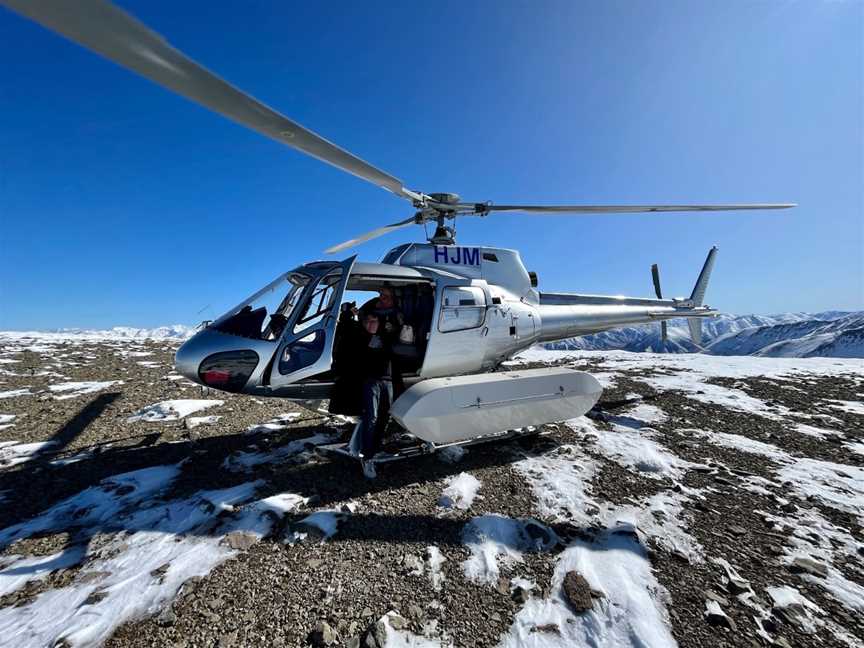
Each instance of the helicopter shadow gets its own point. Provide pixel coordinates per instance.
(187, 489)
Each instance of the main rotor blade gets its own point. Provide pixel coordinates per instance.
(107, 30)
(370, 235)
(481, 208)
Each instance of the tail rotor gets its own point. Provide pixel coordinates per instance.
(655, 276)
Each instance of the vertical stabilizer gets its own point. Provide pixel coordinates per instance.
(698, 295)
(702, 282)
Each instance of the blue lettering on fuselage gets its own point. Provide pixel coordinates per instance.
(457, 255)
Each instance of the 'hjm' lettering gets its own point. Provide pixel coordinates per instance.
(457, 255)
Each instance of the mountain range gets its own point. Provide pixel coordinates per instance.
(793, 335)
(837, 334)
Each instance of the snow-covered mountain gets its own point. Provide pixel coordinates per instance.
(173, 332)
(793, 335)
(826, 334)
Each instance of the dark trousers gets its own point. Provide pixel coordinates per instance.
(376, 412)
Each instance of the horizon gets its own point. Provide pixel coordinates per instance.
(672, 322)
(132, 204)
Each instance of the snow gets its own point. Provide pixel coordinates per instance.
(7, 418)
(195, 421)
(153, 545)
(12, 453)
(857, 448)
(81, 388)
(243, 461)
(496, 541)
(404, 638)
(647, 413)
(326, 522)
(785, 596)
(119, 333)
(638, 452)
(853, 407)
(434, 559)
(15, 393)
(172, 410)
(631, 612)
(460, 491)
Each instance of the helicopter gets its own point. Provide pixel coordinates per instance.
(471, 309)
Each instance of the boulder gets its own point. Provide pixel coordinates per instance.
(578, 592)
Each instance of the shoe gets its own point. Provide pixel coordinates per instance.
(368, 469)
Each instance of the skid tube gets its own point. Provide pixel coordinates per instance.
(425, 448)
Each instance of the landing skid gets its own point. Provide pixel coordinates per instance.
(409, 447)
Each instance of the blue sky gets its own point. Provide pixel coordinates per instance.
(123, 204)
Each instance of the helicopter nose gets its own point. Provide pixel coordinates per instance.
(224, 362)
(188, 358)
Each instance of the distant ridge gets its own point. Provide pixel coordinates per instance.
(173, 332)
(794, 335)
(831, 334)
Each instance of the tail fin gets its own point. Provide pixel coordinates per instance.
(702, 282)
(698, 295)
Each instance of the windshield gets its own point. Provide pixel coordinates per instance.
(263, 316)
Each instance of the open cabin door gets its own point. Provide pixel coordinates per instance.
(306, 347)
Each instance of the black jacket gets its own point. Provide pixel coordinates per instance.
(357, 357)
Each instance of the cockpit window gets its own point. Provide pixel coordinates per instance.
(264, 315)
(393, 255)
(320, 302)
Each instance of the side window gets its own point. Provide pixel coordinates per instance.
(463, 307)
(320, 302)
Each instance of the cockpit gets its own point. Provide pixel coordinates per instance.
(282, 339)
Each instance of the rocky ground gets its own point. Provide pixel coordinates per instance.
(707, 501)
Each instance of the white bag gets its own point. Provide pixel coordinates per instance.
(406, 335)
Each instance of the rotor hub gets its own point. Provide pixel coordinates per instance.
(445, 198)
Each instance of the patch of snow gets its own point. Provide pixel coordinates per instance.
(16, 571)
(403, 638)
(819, 433)
(853, 407)
(496, 541)
(81, 388)
(242, 461)
(156, 546)
(15, 393)
(460, 491)
(632, 611)
(647, 413)
(434, 558)
(172, 410)
(815, 538)
(559, 480)
(857, 448)
(638, 452)
(326, 522)
(195, 421)
(12, 453)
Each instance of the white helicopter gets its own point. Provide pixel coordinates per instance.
(470, 308)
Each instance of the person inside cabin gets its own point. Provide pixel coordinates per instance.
(391, 324)
(389, 315)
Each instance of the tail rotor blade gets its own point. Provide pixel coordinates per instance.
(663, 331)
(655, 276)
